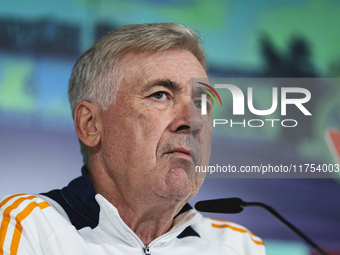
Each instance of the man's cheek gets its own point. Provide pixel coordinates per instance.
(206, 150)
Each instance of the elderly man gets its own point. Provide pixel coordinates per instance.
(140, 130)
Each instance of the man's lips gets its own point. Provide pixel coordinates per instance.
(183, 151)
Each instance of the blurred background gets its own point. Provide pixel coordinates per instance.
(40, 41)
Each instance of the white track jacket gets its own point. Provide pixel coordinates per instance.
(74, 220)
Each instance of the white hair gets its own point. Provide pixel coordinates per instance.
(94, 76)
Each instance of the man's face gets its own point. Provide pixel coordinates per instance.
(147, 134)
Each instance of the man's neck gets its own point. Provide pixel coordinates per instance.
(148, 225)
(147, 220)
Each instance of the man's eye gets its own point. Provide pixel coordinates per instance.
(198, 104)
(160, 95)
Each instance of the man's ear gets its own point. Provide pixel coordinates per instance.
(87, 123)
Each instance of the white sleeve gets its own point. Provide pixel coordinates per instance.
(15, 211)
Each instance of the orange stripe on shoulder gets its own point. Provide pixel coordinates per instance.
(18, 228)
(9, 198)
(241, 230)
(256, 241)
(22, 215)
(43, 205)
(7, 218)
(229, 226)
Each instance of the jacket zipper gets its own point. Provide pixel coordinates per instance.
(146, 250)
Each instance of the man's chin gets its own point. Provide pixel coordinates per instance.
(175, 180)
(179, 186)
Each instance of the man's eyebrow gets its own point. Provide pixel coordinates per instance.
(172, 85)
(199, 90)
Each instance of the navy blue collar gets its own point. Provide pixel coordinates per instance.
(78, 201)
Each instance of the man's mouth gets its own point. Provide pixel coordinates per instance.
(185, 147)
(185, 153)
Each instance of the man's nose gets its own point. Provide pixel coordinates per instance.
(196, 119)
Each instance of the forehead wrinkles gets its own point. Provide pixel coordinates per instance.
(179, 67)
(145, 67)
